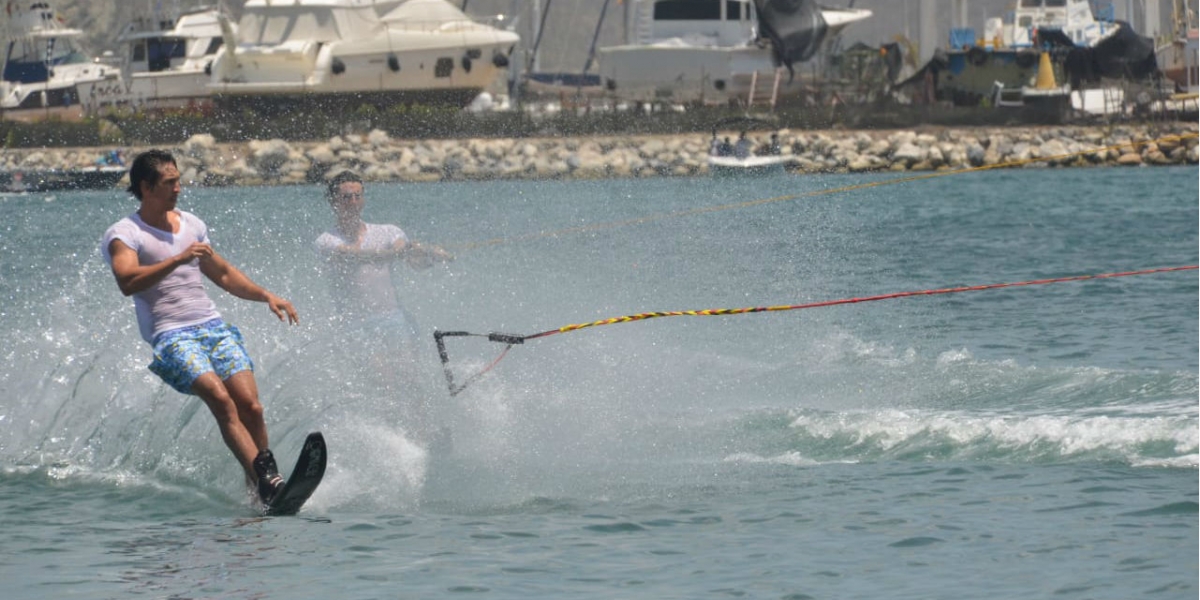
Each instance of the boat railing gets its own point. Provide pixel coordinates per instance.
(441, 25)
(499, 21)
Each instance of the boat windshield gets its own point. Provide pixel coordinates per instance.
(703, 10)
(24, 65)
(273, 27)
(53, 51)
(158, 52)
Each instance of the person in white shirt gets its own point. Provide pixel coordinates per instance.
(360, 254)
(159, 255)
(359, 259)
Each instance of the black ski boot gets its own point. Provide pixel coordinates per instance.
(269, 479)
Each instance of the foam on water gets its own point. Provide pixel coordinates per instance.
(1016, 443)
(1005, 438)
(898, 382)
(375, 466)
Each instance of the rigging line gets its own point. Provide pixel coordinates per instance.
(511, 339)
(811, 194)
(454, 389)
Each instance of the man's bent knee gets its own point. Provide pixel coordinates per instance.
(212, 390)
(244, 390)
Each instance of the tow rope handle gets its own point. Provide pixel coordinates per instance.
(438, 337)
(441, 348)
(506, 338)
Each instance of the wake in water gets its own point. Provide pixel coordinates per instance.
(538, 419)
(953, 407)
(966, 436)
(1003, 376)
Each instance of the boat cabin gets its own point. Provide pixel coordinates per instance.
(163, 44)
(42, 61)
(38, 43)
(721, 23)
(1072, 19)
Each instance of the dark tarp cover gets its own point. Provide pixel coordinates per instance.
(795, 28)
(1122, 55)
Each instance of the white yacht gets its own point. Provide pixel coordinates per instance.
(167, 64)
(342, 53)
(43, 61)
(699, 50)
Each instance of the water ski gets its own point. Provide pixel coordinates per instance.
(306, 476)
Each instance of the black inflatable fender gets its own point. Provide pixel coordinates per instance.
(977, 56)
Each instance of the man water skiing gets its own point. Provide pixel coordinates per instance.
(158, 255)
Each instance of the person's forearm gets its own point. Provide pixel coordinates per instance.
(359, 255)
(230, 279)
(237, 283)
(144, 277)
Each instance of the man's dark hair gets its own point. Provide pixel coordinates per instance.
(145, 168)
(337, 180)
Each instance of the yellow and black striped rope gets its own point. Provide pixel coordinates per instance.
(511, 339)
(711, 312)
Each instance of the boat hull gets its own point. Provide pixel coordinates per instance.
(403, 68)
(750, 166)
(58, 91)
(1180, 63)
(971, 75)
(649, 73)
(54, 180)
(147, 92)
(328, 104)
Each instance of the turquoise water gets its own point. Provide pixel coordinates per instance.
(1009, 443)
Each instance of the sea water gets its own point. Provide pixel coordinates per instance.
(1026, 442)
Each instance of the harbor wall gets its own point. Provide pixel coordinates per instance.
(381, 158)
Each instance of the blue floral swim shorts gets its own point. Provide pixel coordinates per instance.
(184, 354)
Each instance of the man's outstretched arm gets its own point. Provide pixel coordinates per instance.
(230, 279)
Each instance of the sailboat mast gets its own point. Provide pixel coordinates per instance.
(595, 36)
(533, 60)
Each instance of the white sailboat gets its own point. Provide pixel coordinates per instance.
(167, 64)
(344, 53)
(43, 61)
(696, 50)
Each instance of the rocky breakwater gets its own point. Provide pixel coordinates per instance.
(379, 157)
